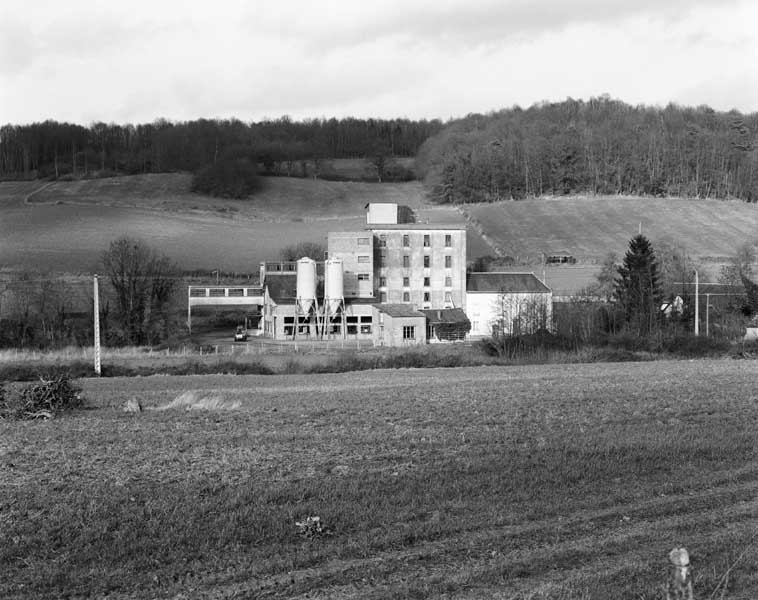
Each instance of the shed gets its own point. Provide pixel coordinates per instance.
(398, 325)
(446, 324)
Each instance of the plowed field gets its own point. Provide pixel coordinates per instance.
(560, 481)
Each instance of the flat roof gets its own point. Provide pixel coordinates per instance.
(399, 310)
(416, 226)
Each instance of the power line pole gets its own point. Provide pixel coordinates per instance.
(697, 305)
(97, 327)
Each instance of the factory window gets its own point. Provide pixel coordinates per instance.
(427, 281)
(427, 262)
(382, 282)
(448, 282)
(409, 332)
(448, 240)
(406, 281)
(367, 319)
(382, 296)
(365, 328)
(427, 240)
(406, 261)
(406, 296)
(382, 241)
(427, 297)
(448, 262)
(363, 241)
(363, 277)
(364, 259)
(448, 296)
(406, 241)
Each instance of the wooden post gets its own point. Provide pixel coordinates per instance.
(679, 584)
(697, 305)
(96, 295)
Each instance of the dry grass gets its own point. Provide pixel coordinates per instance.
(565, 481)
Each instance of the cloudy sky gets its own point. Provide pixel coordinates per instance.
(135, 61)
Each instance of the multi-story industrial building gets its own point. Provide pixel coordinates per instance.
(390, 262)
(393, 282)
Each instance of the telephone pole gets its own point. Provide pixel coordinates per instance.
(97, 327)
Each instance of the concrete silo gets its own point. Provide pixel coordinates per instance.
(334, 293)
(306, 301)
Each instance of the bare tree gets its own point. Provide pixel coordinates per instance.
(143, 281)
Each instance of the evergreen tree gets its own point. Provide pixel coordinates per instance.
(637, 288)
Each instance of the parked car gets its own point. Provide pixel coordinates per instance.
(241, 334)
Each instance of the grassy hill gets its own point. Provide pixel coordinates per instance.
(590, 228)
(65, 225)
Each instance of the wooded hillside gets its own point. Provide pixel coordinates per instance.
(53, 149)
(600, 146)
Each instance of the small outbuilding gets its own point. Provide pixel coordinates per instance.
(398, 325)
(446, 325)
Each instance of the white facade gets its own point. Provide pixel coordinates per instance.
(514, 312)
(381, 213)
(510, 303)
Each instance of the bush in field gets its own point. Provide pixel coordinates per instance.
(42, 400)
(233, 175)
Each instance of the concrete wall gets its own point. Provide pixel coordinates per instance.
(391, 250)
(485, 309)
(356, 250)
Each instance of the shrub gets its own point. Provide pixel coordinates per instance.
(234, 175)
(43, 400)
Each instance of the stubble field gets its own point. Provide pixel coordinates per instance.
(557, 481)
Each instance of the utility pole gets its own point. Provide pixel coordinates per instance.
(697, 305)
(96, 294)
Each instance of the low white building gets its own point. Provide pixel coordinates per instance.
(512, 303)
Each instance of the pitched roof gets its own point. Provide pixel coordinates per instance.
(399, 310)
(445, 315)
(497, 282)
(563, 280)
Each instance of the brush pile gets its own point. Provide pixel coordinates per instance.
(42, 400)
(312, 527)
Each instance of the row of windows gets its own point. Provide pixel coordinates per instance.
(407, 241)
(407, 281)
(407, 297)
(427, 261)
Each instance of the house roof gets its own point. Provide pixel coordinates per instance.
(564, 280)
(445, 315)
(399, 310)
(498, 282)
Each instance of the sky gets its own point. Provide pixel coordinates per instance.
(133, 62)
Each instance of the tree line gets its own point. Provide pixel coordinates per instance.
(599, 146)
(52, 149)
